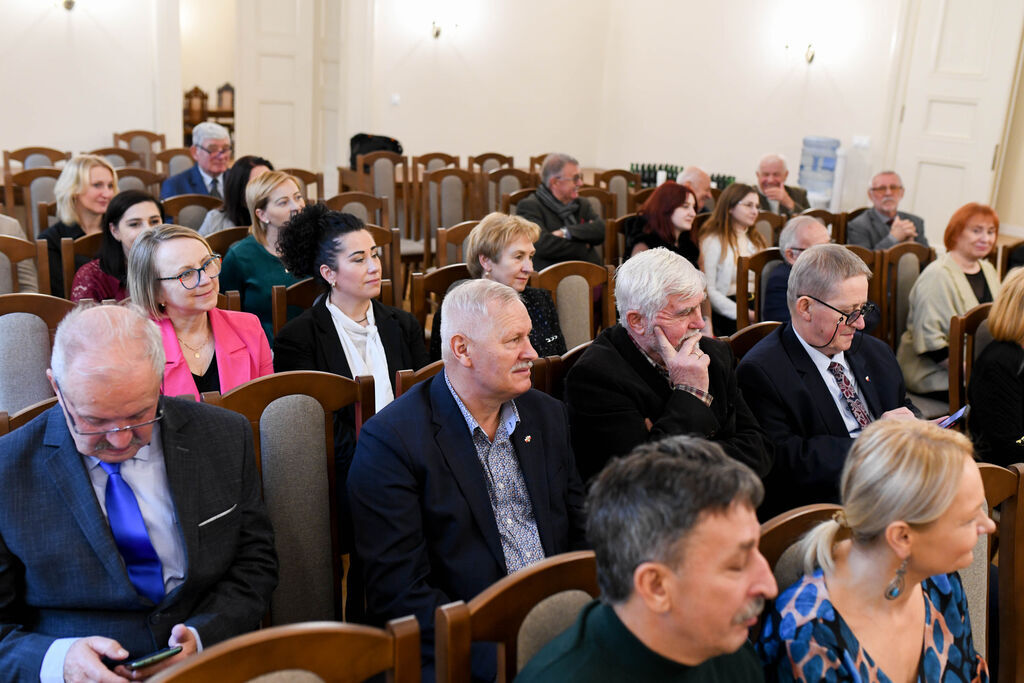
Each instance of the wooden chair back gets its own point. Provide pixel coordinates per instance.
(303, 294)
(968, 337)
(190, 209)
(407, 379)
(86, 246)
(602, 201)
(389, 177)
(1003, 257)
(509, 201)
(558, 368)
(363, 205)
(502, 181)
(8, 423)
(51, 309)
(637, 198)
(850, 215)
(119, 157)
(835, 222)
(450, 242)
(144, 179)
(770, 226)
(620, 183)
(745, 339)
(390, 242)
(536, 162)
(498, 614)
(572, 285)
(446, 199)
(754, 269)
(876, 285)
(780, 533)
(615, 239)
(28, 158)
(46, 215)
(222, 240)
(433, 286)
(307, 178)
(143, 142)
(230, 300)
(421, 165)
(35, 185)
(43, 267)
(15, 251)
(481, 166)
(901, 266)
(174, 160)
(27, 326)
(330, 651)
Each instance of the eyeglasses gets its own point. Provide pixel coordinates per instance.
(578, 178)
(849, 318)
(217, 151)
(749, 205)
(104, 432)
(882, 188)
(191, 278)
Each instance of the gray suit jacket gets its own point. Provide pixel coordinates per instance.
(61, 574)
(870, 230)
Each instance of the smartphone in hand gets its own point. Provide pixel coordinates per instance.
(152, 658)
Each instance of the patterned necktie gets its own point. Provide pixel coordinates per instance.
(215, 190)
(131, 536)
(852, 400)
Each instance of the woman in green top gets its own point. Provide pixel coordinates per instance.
(253, 265)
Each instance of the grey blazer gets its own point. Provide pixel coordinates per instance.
(870, 230)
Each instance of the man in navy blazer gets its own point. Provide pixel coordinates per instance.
(211, 149)
(70, 605)
(791, 379)
(467, 477)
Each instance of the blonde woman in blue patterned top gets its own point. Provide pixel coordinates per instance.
(880, 599)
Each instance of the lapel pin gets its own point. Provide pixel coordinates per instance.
(528, 439)
(867, 378)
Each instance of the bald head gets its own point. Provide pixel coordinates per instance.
(697, 180)
(104, 341)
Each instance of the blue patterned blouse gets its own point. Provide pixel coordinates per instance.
(805, 639)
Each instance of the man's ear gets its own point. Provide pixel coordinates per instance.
(460, 350)
(803, 308)
(53, 382)
(636, 322)
(649, 584)
(194, 152)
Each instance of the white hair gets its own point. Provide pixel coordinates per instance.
(787, 238)
(466, 310)
(208, 130)
(110, 335)
(768, 158)
(646, 281)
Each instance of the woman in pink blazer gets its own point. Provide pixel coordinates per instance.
(172, 274)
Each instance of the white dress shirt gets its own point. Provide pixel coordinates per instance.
(821, 362)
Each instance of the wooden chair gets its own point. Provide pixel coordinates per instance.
(407, 379)
(390, 242)
(699, 221)
(46, 215)
(770, 225)
(603, 201)
(291, 415)
(307, 178)
(502, 181)
(132, 178)
(745, 339)
(229, 301)
(835, 222)
(175, 160)
(481, 166)
(8, 423)
(615, 239)
(143, 142)
(190, 209)
(303, 294)
(446, 199)
(16, 252)
(336, 653)
(450, 242)
(535, 164)
(509, 201)
(222, 240)
(638, 197)
(426, 163)
(781, 532)
(499, 615)
(390, 176)
(195, 110)
(620, 183)
(119, 157)
(850, 215)
(572, 284)
(84, 248)
(876, 286)
(761, 265)
(559, 367)
(28, 323)
(33, 157)
(434, 284)
(35, 185)
(363, 205)
(1003, 259)
(968, 336)
(901, 265)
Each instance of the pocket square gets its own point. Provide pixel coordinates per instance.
(219, 515)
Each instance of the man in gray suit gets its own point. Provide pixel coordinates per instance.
(128, 521)
(883, 225)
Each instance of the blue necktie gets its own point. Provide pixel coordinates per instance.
(131, 536)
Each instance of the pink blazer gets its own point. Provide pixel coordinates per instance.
(242, 353)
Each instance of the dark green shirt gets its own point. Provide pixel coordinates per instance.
(253, 271)
(599, 647)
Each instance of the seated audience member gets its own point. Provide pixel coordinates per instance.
(235, 212)
(800, 234)
(996, 389)
(664, 220)
(253, 265)
(92, 576)
(682, 579)
(500, 248)
(731, 232)
(774, 194)
(697, 179)
(1016, 259)
(951, 285)
(26, 270)
(172, 275)
(467, 477)
(815, 383)
(884, 569)
(211, 149)
(569, 227)
(85, 186)
(653, 375)
(128, 215)
(883, 225)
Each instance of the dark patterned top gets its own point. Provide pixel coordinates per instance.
(92, 283)
(806, 639)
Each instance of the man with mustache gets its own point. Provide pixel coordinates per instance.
(676, 538)
(129, 521)
(468, 476)
(883, 225)
(653, 375)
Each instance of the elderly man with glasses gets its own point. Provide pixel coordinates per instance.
(569, 227)
(817, 381)
(883, 225)
(129, 521)
(211, 149)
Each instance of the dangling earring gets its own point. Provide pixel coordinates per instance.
(487, 274)
(898, 583)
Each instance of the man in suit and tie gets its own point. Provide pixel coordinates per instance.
(211, 149)
(883, 225)
(467, 477)
(128, 521)
(776, 196)
(815, 382)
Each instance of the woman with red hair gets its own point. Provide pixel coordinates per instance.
(951, 285)
(664, 220)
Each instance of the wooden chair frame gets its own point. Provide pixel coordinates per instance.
(174, 205)
(165, 156)
(536, 162)
(604, 180)
(890, 264)
(158, 139)
(222, 240)
(456, 236)
(376, 207)
(303, 294)
(51, 309)
(638, 197)
(510, 199)
(1003, 257)
(558, 368)
(308, 178)
(776, 223)
(149, 178)
(494, 178)
(783, 530)
(435, 282)
(744, 266)
(21, 182)
(604, 197)
(128, 155)
(745, 339)
(86, 245)
(21, 155)
(475, 165)
(836, 220)
(436, 179)
(876, 286)
(594, 275)
(962, 331)
(8, 423)
(402, 179)
(407, 379)
(17, 250)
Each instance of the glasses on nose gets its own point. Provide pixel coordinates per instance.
(106, 432)
(578, 178)
(849, 318)
(191, 278)
(886, 188)
(749, 205)
(217, 151)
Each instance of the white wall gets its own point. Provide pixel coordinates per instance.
(208, 45)
(72, 78)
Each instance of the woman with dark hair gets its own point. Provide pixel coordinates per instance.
(665, 220)
(128, 215)
(730, 233)
(235, 211)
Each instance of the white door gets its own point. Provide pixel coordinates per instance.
(274, 109)
(958, 84)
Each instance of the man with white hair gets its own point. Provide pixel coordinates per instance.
(211, 149)
(654, 375)
(468, 476)
(800, 234)
(697, 179)
(776, 196)
(129, 520)
(884, 225)
(569, 227)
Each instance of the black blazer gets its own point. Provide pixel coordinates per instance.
(613, 391)
(423, 520)
(996, 395)
(791, 401)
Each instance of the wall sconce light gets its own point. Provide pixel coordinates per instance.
(435, 30)
(69, 4)
(809, 53)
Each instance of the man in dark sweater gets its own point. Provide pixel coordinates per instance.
(675, 534)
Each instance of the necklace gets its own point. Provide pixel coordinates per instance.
(198, 351)
(363, 319)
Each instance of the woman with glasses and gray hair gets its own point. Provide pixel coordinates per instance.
(880, 598)
(173, 276)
